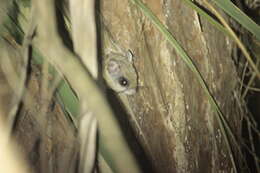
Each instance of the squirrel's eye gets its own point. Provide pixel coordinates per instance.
(123, 81)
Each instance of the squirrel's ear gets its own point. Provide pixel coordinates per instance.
(113, 67)
(129, 56)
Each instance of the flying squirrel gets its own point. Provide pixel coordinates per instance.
(120, 73)
(118, 67)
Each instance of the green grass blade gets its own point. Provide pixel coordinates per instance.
(220, 117)
(66, 96)
(239, 16)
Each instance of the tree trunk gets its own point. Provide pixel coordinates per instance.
(176, 124)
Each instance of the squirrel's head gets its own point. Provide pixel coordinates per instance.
(120, 73)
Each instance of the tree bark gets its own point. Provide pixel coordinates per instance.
(178, 127)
